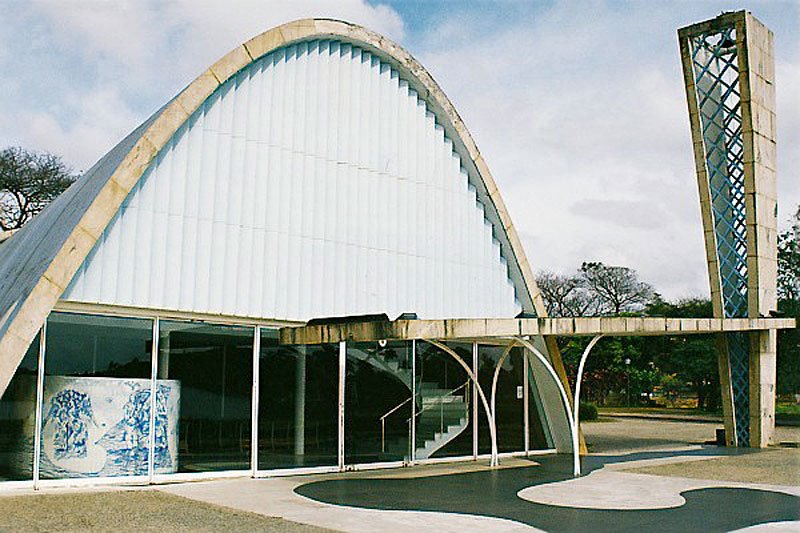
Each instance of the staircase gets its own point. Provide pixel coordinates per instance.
(383, 361)
(441, 416)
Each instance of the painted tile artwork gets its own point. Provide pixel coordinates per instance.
(89, 429)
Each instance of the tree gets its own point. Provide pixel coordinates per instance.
(789, 261)
(28, 182)
(691, 359)
(564, 296)
(615, 289)
(788, 362)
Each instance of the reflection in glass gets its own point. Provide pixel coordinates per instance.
(298, 404)
(377, 402)
(211, 368)
(96, 403)
(509, 409)
(18, 417)
(539, 433)
(443, 402)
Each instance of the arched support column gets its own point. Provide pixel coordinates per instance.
(474, 378)
(576, 455)
(577, 397)
(497, 376)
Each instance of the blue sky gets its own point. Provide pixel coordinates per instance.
(578, 107)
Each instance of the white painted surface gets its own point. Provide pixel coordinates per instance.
(313, 183)
(607, 489)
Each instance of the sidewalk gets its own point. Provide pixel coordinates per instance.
(692, 417)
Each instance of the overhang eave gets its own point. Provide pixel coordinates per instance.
(494, 330)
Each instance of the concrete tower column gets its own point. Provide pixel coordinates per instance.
(729, 74)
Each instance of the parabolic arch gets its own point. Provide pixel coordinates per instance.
(38, 264)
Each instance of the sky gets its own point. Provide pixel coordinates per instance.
(578, 107)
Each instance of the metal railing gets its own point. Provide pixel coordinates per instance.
(394, 409)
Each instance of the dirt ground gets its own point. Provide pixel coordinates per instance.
(773, 466)
(624, 435)
(130, 510)
(776, 466)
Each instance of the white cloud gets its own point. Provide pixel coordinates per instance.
(100, 68)
(581, 115)
(578, 108)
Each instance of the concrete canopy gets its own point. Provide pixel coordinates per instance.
(490, 330)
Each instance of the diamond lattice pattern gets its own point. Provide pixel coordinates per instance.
(716, 70)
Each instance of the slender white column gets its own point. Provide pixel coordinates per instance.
(255, 398)
(37, 431)
(154, 375)
(413, 455)
(474, 403)
(526, 396)
(300, 403)
(342, 376)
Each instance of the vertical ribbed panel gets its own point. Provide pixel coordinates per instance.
(313, 183)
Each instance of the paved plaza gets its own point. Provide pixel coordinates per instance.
(641, 475)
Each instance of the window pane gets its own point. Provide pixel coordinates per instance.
(96, 405)
(18, 417)
(540, 438)
(298, 404)
(444, 402)
(509, 408)
(211, 368)
(377, 402)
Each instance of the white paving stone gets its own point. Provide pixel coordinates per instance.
(608, 489)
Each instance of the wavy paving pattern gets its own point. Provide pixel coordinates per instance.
(494, 494)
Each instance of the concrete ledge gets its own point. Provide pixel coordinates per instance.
(489, 328)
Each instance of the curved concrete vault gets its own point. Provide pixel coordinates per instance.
(39, 262)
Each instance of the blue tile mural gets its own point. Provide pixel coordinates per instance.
(97, 427)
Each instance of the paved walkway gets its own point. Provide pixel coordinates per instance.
(642, 475)
(522, 496)
(625, 435)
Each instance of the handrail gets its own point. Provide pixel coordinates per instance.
(393, 409)
(449, 393)
(408, 420)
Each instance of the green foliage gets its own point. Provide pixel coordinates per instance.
(788, 364)
(789, 262)
(587, 411)
(671, 363)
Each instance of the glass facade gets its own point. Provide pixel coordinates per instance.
(510, 406)
(209, 368)
(444, 402)
(18, 419)
(96, 402)
(539, 437)
(377, 404)
(103, 388)
(298, 424)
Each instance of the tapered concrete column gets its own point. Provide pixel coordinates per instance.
(300, 402)
(729, 74)
(763, 351)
